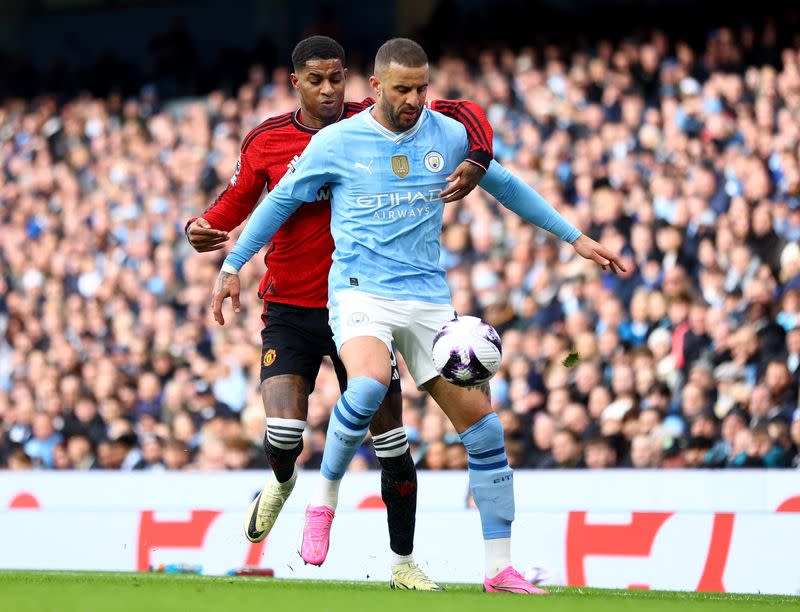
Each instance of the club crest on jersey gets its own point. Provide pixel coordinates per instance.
(400, 166)
(235, 176)
(269, 357)
(434, 161)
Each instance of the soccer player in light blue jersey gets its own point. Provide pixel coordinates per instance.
(386, 169)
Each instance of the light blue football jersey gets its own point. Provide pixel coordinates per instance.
(386, 209)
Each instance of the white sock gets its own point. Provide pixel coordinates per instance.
(328, 494)
(498, 556)
(400, 559)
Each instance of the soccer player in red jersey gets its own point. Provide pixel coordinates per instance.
(296, 334)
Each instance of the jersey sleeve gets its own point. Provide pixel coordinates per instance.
(517, 196)
(315, 168)
(479, 130)
(239, 197)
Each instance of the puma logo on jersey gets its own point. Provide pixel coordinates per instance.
(368, 167)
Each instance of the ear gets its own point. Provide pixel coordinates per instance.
(295, 81)
(375, 83)
(344, 72)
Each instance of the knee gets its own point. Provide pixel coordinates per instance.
(366, 392)
(485, 436)
(367, 357)
(285, 397)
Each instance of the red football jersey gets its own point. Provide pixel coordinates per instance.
(299, 256)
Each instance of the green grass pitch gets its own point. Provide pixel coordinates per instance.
(111, 592)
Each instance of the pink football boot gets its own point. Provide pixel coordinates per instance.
(511, 581)
(316, 534)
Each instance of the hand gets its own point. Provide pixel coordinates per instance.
(226, 285)
(463, 180)
(203, 238)
(591, 249)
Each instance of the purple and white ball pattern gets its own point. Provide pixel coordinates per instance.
(467, 351)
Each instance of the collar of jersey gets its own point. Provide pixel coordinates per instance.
(306, 128)
(396, 137)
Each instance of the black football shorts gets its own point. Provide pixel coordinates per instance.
(295, 339)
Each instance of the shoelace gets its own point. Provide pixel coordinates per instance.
(318, 530)
(264, 508)
(512, 576)
(414, 573)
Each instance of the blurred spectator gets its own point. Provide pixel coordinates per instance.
(599, 453)
(686, 161)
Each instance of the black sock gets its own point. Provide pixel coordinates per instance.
(282, 460)
(399, 493)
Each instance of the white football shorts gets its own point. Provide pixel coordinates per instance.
(410, 324)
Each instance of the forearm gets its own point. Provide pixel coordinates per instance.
(267, 218)
(519, 197)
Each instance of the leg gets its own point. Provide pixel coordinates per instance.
(368, 371)
(367, 361)
(398, 473)
(289, 364)
(490, 479)
(398, 490)
(362, 332)
(470, 411)
(285, 400)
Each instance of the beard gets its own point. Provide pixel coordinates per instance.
(395, 116)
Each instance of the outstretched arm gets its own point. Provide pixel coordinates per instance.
(299, 185)
(209, 231)
(267, 219)
(519, 197)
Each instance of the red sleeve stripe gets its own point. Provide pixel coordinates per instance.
(471, 122)
(218, 200)
(269, 124)
(353, 108)
(478, 133)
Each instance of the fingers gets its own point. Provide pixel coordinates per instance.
(208, 249)
(203, 233)
(600, 260)
(235, 300)
(614, 260)
(617, 261)
(458, 195)
(203, 238)
(455, 182)
(216, 306)
(202, 246)
(202, 228)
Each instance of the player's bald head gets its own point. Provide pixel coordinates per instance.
(402, 51)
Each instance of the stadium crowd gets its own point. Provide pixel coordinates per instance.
(685, 161)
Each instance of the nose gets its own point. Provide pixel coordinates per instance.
(327, 88)
(412, 99)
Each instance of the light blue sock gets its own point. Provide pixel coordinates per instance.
(349, 423)
(490, 478)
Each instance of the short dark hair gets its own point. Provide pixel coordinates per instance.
(316, 48)
(403, 51)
